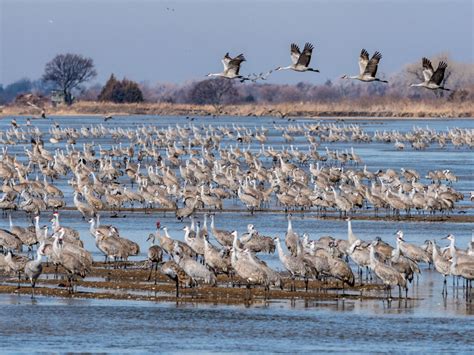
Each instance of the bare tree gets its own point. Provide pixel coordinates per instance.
(215, 92)
(68, 71)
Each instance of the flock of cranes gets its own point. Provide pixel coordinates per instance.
(300, 61)
(187, 168)
(198, 259)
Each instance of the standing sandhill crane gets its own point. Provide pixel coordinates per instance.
(389, 276)
(433, 79)
(194, 269)
(177, 274)
(83, 208)
(295, 265)
(224, 237)
(465, 270)
(368, 68)
(442, 265)
(231, 68)
(16, 264)
(34, 268)
(338, 268)
(216, 259)
(403, 264)
(300, 60)
(71, 262)
(249, 270)
(155, 256)
(412, 251)
(291, 238)
(9, 241)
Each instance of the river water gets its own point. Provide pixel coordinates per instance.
(426, 322)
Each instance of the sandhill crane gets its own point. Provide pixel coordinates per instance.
(452, 250)
(194, 269)
(224, 237)
(295, 265)
(155, 256)
(177, 274)
(389, 276)
(216, 259)
(9, 241)
(412, 251)
(16, 264)
(368, 68)
(83, 208)
(360, 255)
(231, 68)
(442, 265)
(251, 272)
(72, 263)
(34, 268)
(291, 238)
(300, 60)
(433, 79)
(465, 270)
(338, 268)
(403, 264)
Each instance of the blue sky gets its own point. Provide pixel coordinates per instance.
(148, 41)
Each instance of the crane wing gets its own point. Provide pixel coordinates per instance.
(225, 61)
(295, 53)
(234, 64)
(438, 75)
(427, 69)
(305, 57)
(363, 60)
(371, 68)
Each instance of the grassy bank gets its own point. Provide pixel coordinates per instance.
(360, 108)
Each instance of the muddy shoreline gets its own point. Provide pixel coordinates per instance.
(105, 282)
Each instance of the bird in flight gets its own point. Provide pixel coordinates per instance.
(433, 79)
(367, 67)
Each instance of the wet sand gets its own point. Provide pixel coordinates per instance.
(131, 283)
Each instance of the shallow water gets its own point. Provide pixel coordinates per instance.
(426, 321)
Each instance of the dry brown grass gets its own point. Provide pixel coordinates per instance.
(349, 108)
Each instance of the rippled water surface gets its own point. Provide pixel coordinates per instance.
(425, 322)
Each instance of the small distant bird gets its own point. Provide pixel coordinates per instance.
(43, 113)
(107, 118)
(300, 60)
(433, 79)
(368, 68)
(28, 122)
(231, 68)
(14, 124)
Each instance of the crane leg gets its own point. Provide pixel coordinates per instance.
(177, 288)
(306, 282)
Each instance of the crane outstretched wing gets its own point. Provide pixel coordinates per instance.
(233, 64)
(427, 69)
(295, 53)
(305, 57)
(438, 75)
(363, 60)
(371, 68)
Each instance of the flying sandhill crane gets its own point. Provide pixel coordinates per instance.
(368, 68)
(300, 60)
(433, 79)
(231, 68)
(34, 268)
